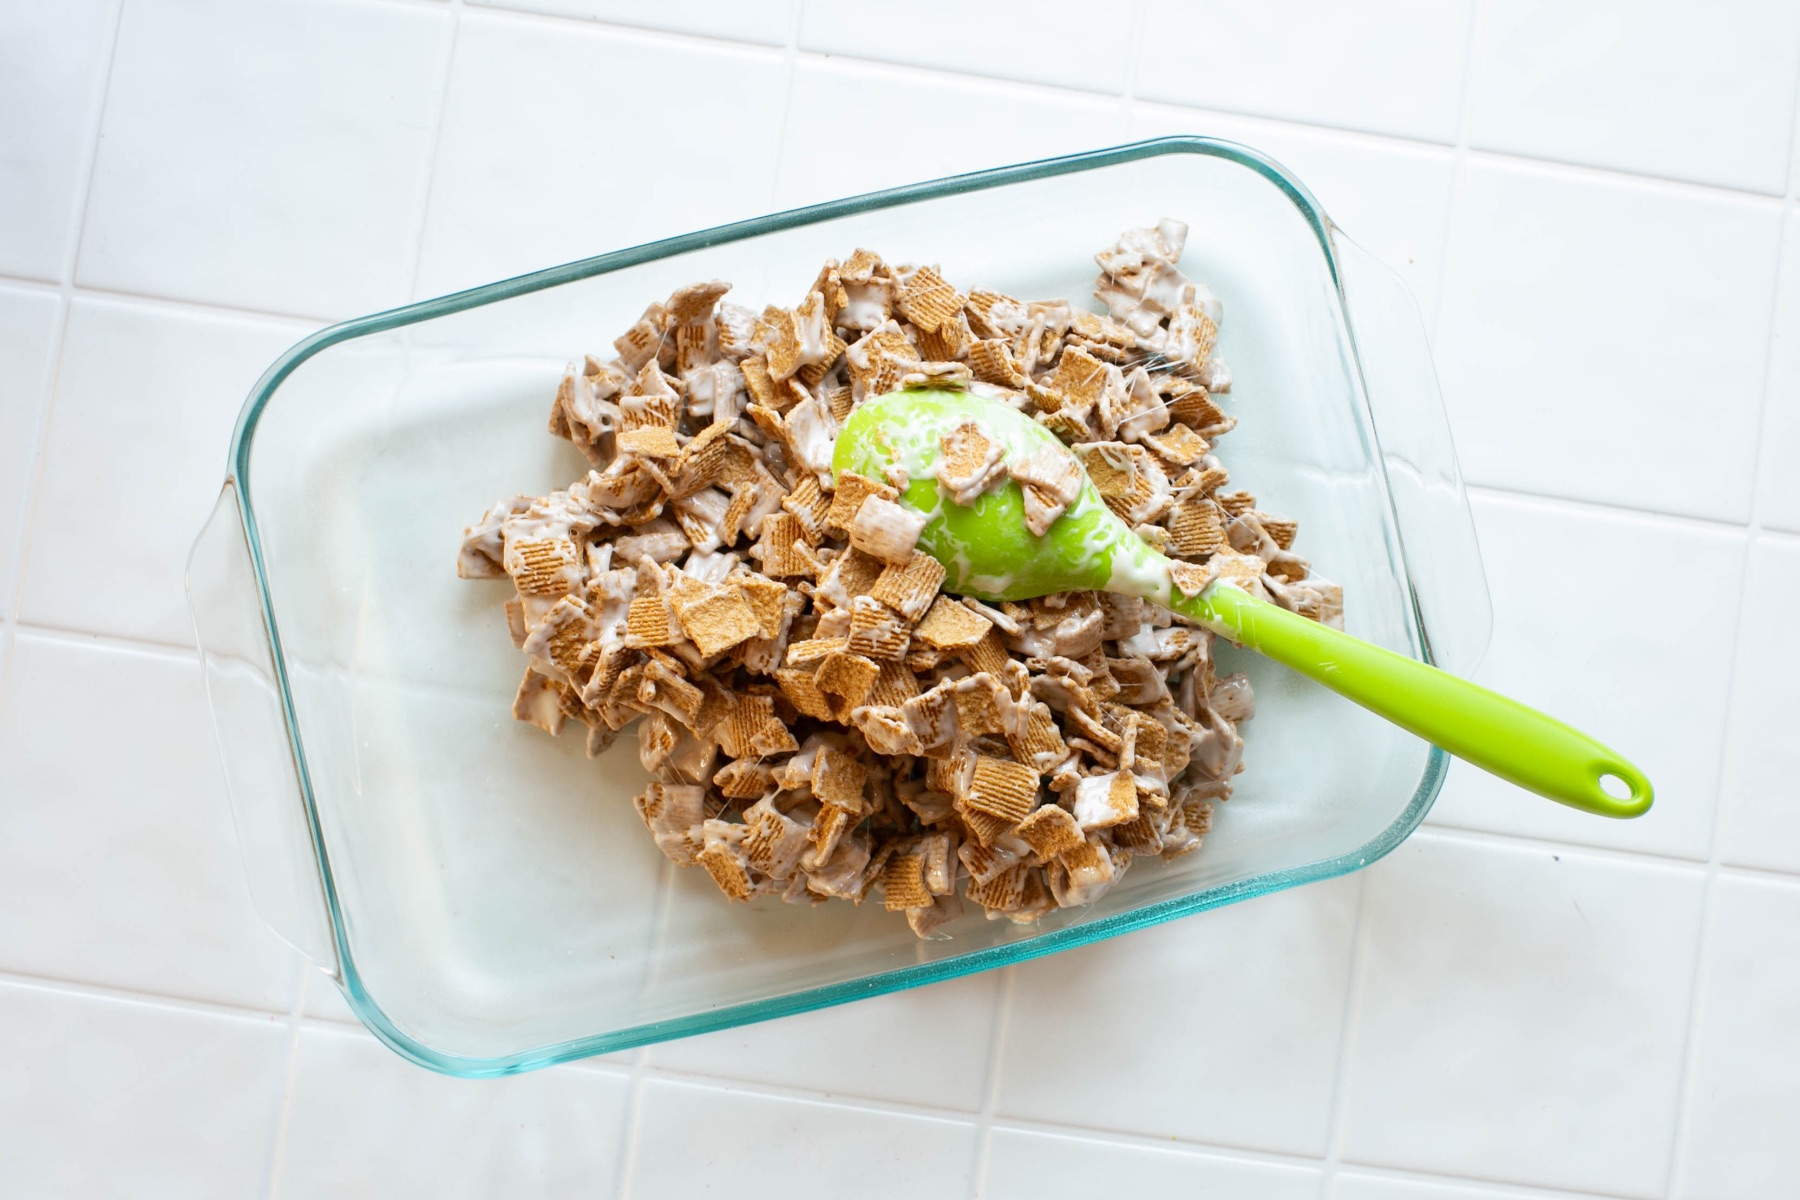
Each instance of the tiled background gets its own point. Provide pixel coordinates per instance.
(1595, 204)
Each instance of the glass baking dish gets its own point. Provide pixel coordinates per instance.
(485, 896)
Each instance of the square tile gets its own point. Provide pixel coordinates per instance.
(27, 328)
(1745, 1090)
(1778, 499)
(849, 1050)
(947, 127)
(535, 139)
(269, 156)
(116, 835)
(52, 75)
(1631, 673)
(1397, 71)
(1522, 1015)
(105, 1098)
(1063, 42)
(793, 1149)
(1391, 197)
(1761, 822)
(1250, 1062)
(1052, 1166)
(1581, 319)
(1658, 87)
(742, 20)
(139, 428)
(363, 1121)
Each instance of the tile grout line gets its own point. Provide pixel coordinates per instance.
(428, 183)
(1351, 1023)
(1348, 1024)
(998, 1029)
(278, 1133)
(663, 903)
(1459, 159)
(1680, 1136)
(65, 289)
(1607, 507)
(1134, 53)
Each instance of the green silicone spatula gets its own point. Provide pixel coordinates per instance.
(989, 553)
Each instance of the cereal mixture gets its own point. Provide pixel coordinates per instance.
(820, 722)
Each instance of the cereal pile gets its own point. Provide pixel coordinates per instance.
(819, 720)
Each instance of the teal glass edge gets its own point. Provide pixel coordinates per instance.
(364, 1005)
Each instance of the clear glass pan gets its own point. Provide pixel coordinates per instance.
(486, 897)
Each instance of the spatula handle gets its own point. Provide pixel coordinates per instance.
(1519, 744)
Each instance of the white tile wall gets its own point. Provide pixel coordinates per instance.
(1761, 824)
(106, 1097)
(1656, 86)
(1604, 662)
(1596, 205)
(270, 155)
(1596, 331)
(1745, 1096)
(362, 1121)
(1521, 1015)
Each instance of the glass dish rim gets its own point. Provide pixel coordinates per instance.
(900, 978)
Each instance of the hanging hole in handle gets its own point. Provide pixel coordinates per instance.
(1615, 787)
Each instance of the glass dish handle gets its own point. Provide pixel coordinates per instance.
(251, 728)
(1431, 508)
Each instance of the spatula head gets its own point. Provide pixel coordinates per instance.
(985, 547)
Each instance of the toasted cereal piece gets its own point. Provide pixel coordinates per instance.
(539, 702)
(808, 504)
(1282, 529)
(545, 567)
(970, 464)
(1197, 410)
(742, 779)
(850, 677)
(717, 618)
(724, 861)
(809, 650)
(852, 489)
(802, 690)
(838, 779)
(1236, 503)
(926, 299)
(674, 813)
(773, 841)
(910, 587)
(662, 686)
(1035, 739)
(991, 361)
(831, 824)
(876, 632)
(1079, 380)
(894, 686)
(782, 549)
(1196, 529)
(1051, 481)
(1003, 789)
(988, 654)
(951, 625)
(765, 598)
(903, 883)
(1191, 579)
(1179, 445)
(938, 850)
(1050, 831)
(1005, 892)
(949, 342)
(1241, 570)
(885, 530)
(1083, 873)
(651, 441)
(1102, 801)
(985, 828)
(1139, 835)
(752, 730)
